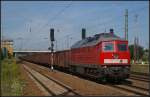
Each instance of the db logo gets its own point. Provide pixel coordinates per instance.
(115, 56)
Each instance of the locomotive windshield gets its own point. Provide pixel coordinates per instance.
(122, 47)
(108, 47)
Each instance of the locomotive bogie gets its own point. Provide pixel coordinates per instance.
(116, 72)
(100, 72)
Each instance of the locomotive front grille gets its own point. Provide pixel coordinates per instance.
(113, 72)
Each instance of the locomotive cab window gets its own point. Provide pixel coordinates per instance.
(122, 47)
(108, 47)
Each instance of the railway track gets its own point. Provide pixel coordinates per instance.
(140, 88)
(140, 74)
(140, 77)
(50, 86)
(131, 84)
(125, 88)
(132, 89)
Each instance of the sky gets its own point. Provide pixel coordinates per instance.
(28, 23)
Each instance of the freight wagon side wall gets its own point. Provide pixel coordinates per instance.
(39, 58)
(86, 55)
(62, 58)
(43, 58)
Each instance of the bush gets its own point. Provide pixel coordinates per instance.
(10, 78)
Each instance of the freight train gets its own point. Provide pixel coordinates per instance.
(101, 56)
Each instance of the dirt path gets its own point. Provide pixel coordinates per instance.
(49, 85)
(30, 88)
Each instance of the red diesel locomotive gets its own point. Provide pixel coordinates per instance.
(104, 55)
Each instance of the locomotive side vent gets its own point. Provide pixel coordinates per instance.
(52, 34)
(83, 33)
(112, 31)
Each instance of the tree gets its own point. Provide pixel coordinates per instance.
(140, 48)
(146, 55)
(131, 49)
(1, 55)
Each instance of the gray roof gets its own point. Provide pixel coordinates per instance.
(90, 41)
(7, 40)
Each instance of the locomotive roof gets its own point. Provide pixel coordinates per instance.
(90, 41)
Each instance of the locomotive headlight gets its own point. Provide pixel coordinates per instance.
(115, 56)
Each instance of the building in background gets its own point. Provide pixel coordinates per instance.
(7, 47)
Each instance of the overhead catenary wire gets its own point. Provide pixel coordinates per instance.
(132, 11)
(94, 26)
(56, 16)
(116, 18)
(112, 19)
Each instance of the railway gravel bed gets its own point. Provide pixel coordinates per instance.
(140, 78)
(49, 86)
(140, 74)
(44, 91)
(132, 89)
(30, 88)
(86, 87)
(139, 84)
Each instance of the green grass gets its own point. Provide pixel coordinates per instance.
(11, 83)
(140, 68)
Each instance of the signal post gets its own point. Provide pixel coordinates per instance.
(52, 47)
